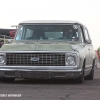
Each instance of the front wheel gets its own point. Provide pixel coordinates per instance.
(91, 75)
(81, 78)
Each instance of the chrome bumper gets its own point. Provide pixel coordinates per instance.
(59, 72)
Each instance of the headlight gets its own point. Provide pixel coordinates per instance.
(2, 59)
(70, 60)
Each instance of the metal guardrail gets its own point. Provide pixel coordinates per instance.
(6, 37)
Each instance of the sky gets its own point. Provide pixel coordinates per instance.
(85, 11)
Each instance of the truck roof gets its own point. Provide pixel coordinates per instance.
(50, 22)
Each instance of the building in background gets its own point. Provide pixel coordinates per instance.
(7, 32)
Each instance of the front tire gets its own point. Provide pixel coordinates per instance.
(81, 78)
(91, 75)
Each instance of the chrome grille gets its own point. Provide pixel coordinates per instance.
(45, 59)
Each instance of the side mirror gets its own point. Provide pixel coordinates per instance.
(88, 41)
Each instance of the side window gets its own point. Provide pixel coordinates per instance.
(20, 32)
(82, 33)
(86, 34)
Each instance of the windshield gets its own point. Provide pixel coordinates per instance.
(48, 32)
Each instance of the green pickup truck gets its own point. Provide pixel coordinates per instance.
(48, 49)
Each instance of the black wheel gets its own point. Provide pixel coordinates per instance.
(81, 78)
(7, 79)
(91, 75)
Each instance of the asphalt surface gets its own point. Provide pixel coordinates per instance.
(24, 89)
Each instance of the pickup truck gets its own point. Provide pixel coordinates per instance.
(48, 49)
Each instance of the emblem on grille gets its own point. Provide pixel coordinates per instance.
(34, 59)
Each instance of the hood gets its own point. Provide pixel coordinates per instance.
(36, 46)
(40, 47)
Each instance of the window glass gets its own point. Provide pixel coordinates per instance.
(19, 35)
(86, 34)
(48, 32)
(82, 33)
(29, 33)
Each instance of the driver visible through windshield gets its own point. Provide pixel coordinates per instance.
(48, 32)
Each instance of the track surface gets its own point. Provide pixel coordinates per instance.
(51, 89)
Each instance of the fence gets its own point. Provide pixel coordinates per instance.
(5, 37)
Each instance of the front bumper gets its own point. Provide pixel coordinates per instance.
(42, 73)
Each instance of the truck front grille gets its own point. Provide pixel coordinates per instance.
(35, 59)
